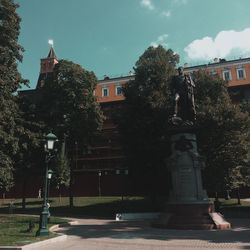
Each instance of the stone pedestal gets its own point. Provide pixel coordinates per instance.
(185, 165)
(188, 206)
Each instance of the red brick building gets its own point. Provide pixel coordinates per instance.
(101, 170)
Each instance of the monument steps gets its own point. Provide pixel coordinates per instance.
(191, 226)
(191, 219)
(191, 222)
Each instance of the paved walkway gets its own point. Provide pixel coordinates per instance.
(93, 234)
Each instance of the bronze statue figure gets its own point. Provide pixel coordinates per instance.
(183, 92)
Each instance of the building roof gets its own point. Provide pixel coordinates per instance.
(219, 63)
(52, 53)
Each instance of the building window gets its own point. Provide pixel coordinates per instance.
(105, 91)
(227, 75)
(241, 74)
(213, 72)
(118, 90)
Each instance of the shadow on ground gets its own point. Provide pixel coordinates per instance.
(142, 230)
(106, 227)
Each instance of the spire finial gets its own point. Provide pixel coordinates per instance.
(51, 42)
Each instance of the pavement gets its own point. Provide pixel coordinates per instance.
(95, 234)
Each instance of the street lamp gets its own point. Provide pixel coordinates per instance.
(43, 223)
(50, 141)
(99, 182)
(50, 172)
(49, 176)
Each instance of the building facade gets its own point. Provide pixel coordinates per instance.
(235, 72)
(101, 169)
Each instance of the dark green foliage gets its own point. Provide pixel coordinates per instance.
(223, 134)
(10, 81)
(68, 104)
(30, 159)
(69, 109)
(245, 106)
(61, 175)
(144, 120)
(222, 128)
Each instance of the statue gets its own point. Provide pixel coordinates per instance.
(188, 206)
(183, 92)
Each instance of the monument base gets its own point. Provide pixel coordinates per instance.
(191, 216)
(188, 205)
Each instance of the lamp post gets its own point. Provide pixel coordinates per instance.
(99, 183)
(49, 176)
(43, 223)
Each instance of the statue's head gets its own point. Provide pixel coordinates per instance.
(180, 70)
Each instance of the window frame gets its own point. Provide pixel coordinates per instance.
(103, 89)
(116, 90)
(229, 75)
(243, 71)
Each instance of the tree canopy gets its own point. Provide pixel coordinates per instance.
(69, 108)
(10, 81)
(147, 107)
(222, 127)
(223, 134)
(68, 104)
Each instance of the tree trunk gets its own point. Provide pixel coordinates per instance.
(238, 196)
(3, 197)
(60, 195)
(216, 202)
(24, 195)
(227, 195)
(73, 164)
(216, 196)
(71, 201)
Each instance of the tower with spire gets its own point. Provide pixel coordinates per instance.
(47, 66)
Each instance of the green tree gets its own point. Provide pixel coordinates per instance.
(144, 119)
(61, 174)
(222, 128)
(68, 104)
(29, 160)
(223, 134)
(10, 81)
(69, 108)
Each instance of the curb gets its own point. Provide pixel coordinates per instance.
(43, 242)
(55, 227)
(35, 244)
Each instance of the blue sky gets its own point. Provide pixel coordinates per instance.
(108, 36)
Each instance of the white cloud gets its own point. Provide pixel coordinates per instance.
(161, 40)
(226, 43)
(166, 13)
(180, 2)
(147, 4)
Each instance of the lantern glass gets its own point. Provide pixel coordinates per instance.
(50, 144)
(51, 138)
(50, 172)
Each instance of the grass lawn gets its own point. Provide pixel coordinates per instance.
(95, 207)
(13, 229)
(234, 202)
(102, 206)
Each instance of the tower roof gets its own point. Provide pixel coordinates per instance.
(52, 53)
